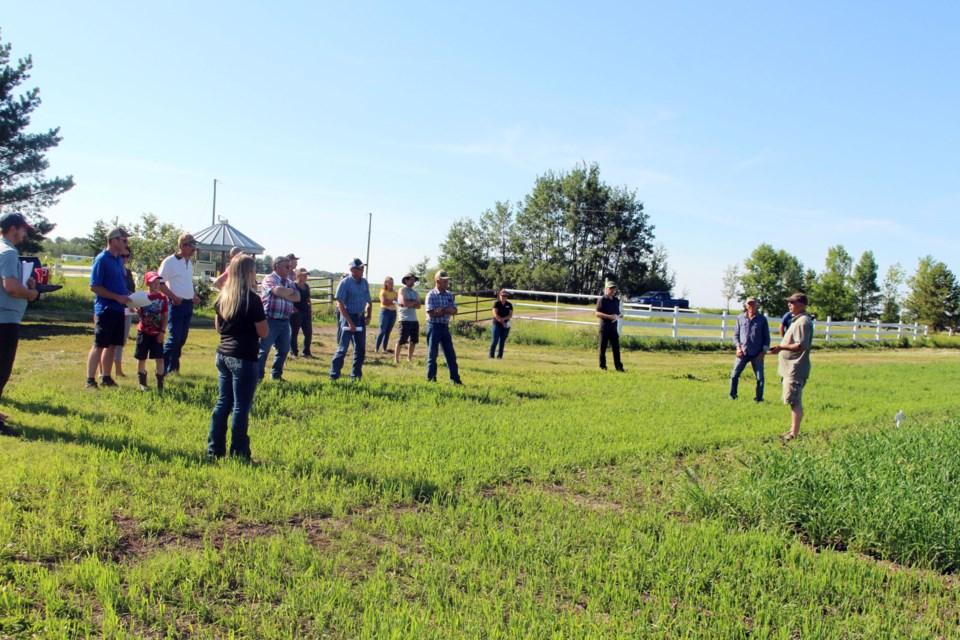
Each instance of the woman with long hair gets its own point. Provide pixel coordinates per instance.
(388, 315)
(241, 322)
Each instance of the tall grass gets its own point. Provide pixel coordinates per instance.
(893, 494)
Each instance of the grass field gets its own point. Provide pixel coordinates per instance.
(543, 499)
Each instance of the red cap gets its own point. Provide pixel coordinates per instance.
(151, 276)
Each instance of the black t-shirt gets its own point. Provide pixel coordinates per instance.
(303, 306)
(238, 335)
(503, 309)
(610, 306)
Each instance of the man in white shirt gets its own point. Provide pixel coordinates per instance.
(177, 273)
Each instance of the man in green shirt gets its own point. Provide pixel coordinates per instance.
(794, 361)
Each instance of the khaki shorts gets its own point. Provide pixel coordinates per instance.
(793, 390)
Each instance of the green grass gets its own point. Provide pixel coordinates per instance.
(544, 499)
(893, 494)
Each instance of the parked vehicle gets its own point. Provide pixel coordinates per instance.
(660, 299)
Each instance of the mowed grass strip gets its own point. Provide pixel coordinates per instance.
(535, 501)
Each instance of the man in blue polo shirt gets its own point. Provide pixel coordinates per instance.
(109, 286)
(353, 304)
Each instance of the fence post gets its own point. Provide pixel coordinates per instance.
(878, 329)
(676, 322)
(620, 320)
(556, 313)
(899, 329)
(916, 329)
(827, 338)
(856, 321)
(723, 327)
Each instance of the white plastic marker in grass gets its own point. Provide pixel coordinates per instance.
(899, 418)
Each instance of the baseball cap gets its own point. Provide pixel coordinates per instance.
(150, 276)
(356, 263)
(290, 256)
(442, 275)
(186, 238)
(749, 300)
(798, 297)
(14, 220)
(117, 232)
(609, 284)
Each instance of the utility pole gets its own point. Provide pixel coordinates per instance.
(213, 219)
(369, 229)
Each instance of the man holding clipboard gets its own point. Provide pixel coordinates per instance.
(18, 289)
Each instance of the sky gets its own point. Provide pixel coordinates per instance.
(801, 125)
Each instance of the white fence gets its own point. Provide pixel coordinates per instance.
(691, 324)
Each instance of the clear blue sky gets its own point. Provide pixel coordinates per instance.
(804, 125)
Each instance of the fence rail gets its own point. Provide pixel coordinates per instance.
(692, 324)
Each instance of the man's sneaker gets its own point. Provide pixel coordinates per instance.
(278, 379)
(107, 381)
(92, 384)
(732, 396)
(458, 382)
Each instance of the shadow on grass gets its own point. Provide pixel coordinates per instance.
(87, 436)
(416, 489)
(40, 331)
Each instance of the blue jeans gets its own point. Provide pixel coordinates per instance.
(500, 334)
(238, 384)
(178, 327)
(359, 339)
(278, 336)
(739, 365)
(388, 318)
(438, 337)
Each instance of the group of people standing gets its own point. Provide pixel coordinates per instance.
(252, 319)
(751, 340)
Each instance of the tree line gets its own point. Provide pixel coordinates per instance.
(570, 233)
(844, 290)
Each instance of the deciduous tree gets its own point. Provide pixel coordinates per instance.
(832, 293)
(771, 275)
(892, 285)
(934, 298)
(731, 280)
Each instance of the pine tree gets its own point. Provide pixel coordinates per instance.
(23, 185)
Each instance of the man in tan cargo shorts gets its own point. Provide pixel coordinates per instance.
(794, 361)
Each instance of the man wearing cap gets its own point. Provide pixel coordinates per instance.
(409, 302)
(109, 285)
(752, 341)
(440, 307)
(355, 308)
(14, 296)
(794, 361)
(608, 310)
(279, 294)
(177, 273)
